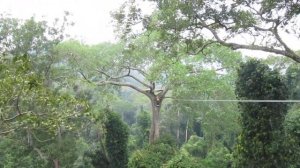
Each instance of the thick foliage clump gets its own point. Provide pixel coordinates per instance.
(153, 156)
(292, 128)
(116, 141)
(260, 143)
(197, 152)
(16, 154)
(184, 160)
(113, 153)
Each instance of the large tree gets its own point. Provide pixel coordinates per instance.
(36, 107)
(26, 59)
(126, 68)
(262, 24)
(146, 68)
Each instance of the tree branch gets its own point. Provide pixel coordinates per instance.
(164, 92)
(6, 132)
(141, 82)
(39, 140)
(111, 77)
(125, 85)
(127, 75)
(277, 36)
(287, 52)
(262, 29)
(40, 154)
(14, 117)
(137, 69)
(85, 77)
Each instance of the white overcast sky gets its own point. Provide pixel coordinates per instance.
(91, 17)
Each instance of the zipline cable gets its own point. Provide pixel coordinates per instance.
(246, 101)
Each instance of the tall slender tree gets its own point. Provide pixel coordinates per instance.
(262, 122)
(116, 141)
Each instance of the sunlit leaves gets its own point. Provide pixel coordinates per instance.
(27, 103)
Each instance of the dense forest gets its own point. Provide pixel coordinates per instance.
(174, 91)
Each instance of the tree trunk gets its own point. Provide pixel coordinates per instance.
(154, 132)
(29, 138)
(186, 131)
(56, 163)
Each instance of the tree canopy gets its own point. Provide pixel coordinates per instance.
(262, 134)
(262, 24)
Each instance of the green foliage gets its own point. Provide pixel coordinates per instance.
(166, 139)
(95, 159)
(293, 80)
(37, 111)
(190, 21)
(152, 156)
(195, 153)
(30, 36)
(292, 122)
(25, 100)
(116, 141)
(143, 121)
(141, 129)
(126, 109)
(64, 149)
(292, 128)
(87, 57)
(196, 147)
(218, 157)
(111, 151)
(260, 144)
(184, 160)
(15, 154)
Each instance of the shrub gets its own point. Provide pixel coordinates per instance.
(183, 160)
(153, 156)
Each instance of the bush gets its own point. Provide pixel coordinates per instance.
(15, 154)
(183, 160)
(218, 157)
(166, 139)
(196, 146)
